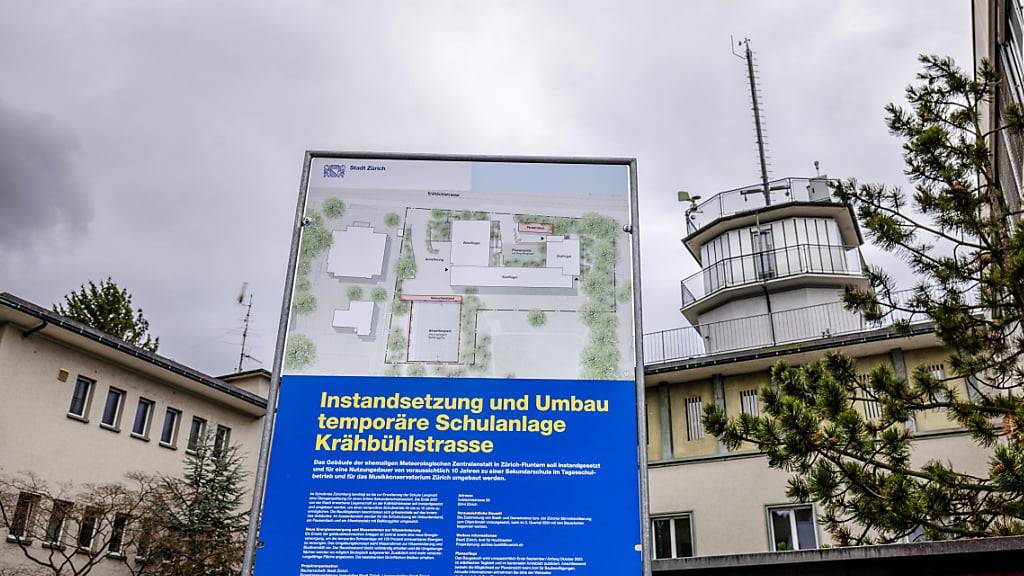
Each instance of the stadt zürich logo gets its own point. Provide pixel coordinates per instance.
(334, 170)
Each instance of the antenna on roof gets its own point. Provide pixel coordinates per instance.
(241, 299)
(755, 97)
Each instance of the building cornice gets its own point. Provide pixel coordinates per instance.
(119, 349)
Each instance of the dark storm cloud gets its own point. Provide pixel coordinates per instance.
(42, 197)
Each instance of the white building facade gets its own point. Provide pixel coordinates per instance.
(82, 408)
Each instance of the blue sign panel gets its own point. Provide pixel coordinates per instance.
(442, 476)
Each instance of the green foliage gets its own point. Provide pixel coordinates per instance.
(396, 341)
(468, 215)
(624, 294)
(523, 262)
(439, 228)
(965, 245)
(399, 307)
(858, 469)
(392, 220)
(354, 293)
(600, 357)
(200, 520)
(300, 352)
(536, 318)
(316, 239)
(304, 266)
(333, 208)
(475, 350)
(108, 308)
(304, 302)
(379, 295)
(416, 370)
(405, 266)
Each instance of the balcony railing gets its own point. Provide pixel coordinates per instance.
(771, 265)
(749, 198)
(759, 331)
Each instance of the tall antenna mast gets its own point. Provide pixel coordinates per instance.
(245, 322)
(748, 55)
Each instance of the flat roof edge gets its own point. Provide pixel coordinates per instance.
(917, 550)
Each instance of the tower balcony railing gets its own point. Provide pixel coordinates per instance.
(748, 198)
(769, 265)
(763, 330)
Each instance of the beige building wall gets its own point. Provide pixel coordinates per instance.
(727, 495)
(682, 444)
(653, 424)
(936, 360)
(37, 435)
(735, 386)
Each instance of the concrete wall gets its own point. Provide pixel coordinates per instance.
(728, 496)
(38, 436)
(682, 445)
(652, 404)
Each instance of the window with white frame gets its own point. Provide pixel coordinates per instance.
(87, 528)
(117, 531)
(196, 433)
(764, 254)
(24, 514)
(938, 372)
(792, 528)
(54, 534)
(872, 408)
(80, 398)
(143, 415)
(672, 536)
(112, 408)
(749, 404)
(694, 428)
(221, 440)
(169, 433)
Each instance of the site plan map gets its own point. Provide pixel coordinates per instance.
(432, 268)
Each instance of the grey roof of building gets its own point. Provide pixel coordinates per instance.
(54, 319)
(245, 374)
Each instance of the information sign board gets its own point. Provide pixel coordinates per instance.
(458, 371)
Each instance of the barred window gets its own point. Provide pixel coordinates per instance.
(872, 409)
(694, 428)
(749, 404)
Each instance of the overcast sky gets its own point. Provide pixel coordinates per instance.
(161, 143)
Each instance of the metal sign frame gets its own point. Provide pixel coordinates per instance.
(262, 465)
